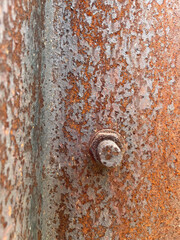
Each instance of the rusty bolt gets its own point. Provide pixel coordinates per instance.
(107, 147)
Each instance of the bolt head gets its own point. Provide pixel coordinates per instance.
(107, 147)
(109, 153)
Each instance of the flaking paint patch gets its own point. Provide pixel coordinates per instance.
(95, 64)
(18, 173)
(160, 2)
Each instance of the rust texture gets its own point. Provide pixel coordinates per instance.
(67, 70)
(21, 118)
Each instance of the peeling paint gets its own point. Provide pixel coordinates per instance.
(67, 70)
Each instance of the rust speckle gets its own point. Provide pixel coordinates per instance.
(69, 69)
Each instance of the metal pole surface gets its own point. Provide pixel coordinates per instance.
(67, 70)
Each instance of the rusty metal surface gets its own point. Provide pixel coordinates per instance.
(69, 69)
(21, 118)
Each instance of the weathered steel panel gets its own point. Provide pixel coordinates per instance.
(69, 69)
(21, 116)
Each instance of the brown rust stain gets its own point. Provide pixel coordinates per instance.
(102, 64)
(125, 51)
(20, 93)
